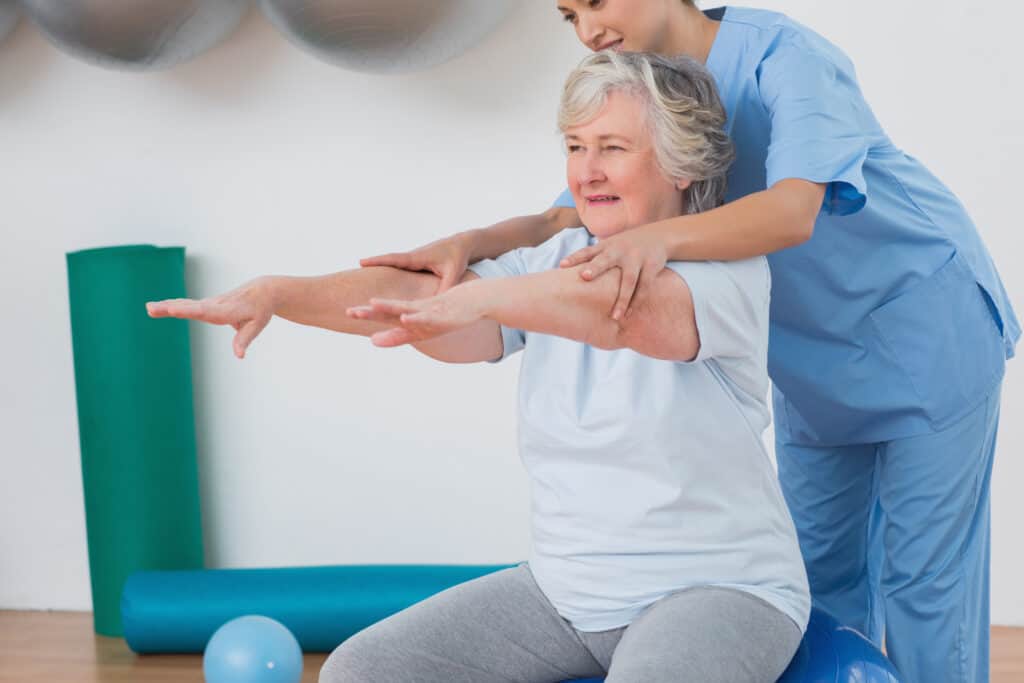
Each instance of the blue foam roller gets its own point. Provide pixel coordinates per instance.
(178, 611)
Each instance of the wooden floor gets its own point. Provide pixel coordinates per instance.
(60, 647)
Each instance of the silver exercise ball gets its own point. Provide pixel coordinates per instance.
(136, 34)
(386, 36)
(8, 18)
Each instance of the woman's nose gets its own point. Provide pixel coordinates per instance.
(591, 32)
(591, 170)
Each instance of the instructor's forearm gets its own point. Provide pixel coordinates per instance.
(756, 225)
(321, 301)
(521, 231)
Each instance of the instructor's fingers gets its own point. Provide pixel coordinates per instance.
(627, 287)
(582, 256)
(394, 259)
(648, 278)
(449, 278)
(601, 264)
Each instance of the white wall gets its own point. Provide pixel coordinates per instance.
(319, 449)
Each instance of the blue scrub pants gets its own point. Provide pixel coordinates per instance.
(895, 537)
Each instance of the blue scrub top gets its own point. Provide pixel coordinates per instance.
(891, 321)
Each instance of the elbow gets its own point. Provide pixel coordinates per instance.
(802, 232)
(802, 220)
(559, 218)
(606, 335)
(798, 203)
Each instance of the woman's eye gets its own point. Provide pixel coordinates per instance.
(574, 148)
(614, 148)
(594, 3)
(571, 18)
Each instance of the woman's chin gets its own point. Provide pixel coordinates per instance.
(603, 230)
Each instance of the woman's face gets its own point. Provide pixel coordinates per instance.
(613, 172)
(630, 25)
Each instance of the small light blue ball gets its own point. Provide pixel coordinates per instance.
(252, 649)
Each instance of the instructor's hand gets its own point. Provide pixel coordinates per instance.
(446, 258)
(639, 252)
(248, 309)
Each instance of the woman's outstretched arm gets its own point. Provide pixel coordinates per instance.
(322, 301)
(556, 302)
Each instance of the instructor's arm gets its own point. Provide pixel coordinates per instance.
(449, 257)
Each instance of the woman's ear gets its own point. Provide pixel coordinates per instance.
(683, 183)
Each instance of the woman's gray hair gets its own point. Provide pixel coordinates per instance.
(684, 115)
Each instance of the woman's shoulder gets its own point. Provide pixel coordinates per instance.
(548, 254)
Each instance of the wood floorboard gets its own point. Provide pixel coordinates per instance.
(60, 647)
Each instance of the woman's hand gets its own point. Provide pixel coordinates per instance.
(641, 255)
(447, 258)
(417, 321)
(248, 309)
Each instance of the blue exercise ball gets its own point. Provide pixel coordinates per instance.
(833, 652)
(830, 653)
(252, 649)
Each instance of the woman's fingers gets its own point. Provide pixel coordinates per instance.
(159, 309)
(177, 308)
(393, 307)
(368, 312)
(396, 336)
(582, 256)
(246, 334)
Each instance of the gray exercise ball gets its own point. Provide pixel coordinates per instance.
(386, 36)
(8, 18)
(136, 34)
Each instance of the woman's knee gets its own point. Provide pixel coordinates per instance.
(708, 634)
(353, 661)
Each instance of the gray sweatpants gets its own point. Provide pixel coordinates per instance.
(501, 628)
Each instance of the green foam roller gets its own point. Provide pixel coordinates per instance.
(133, 385)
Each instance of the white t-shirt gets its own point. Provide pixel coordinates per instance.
(649, 476)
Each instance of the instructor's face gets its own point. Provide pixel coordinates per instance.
(613, 172)
(631, 25)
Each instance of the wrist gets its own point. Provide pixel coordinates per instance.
(273, 290)
(672, 234)
(478, 296)
(470, 242)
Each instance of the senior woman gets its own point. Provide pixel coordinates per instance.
(662, 547)
(890, 326)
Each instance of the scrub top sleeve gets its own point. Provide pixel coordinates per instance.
(820, 125)
(565, 200)
(509, 264)
(730, 305)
